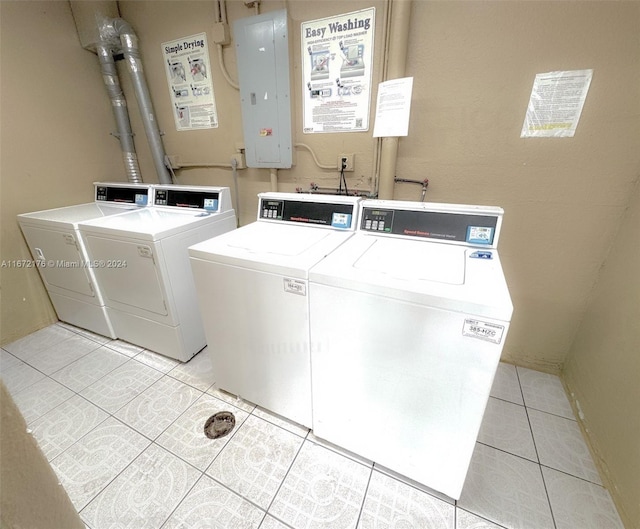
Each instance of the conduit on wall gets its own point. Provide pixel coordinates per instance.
(112, 31)
(398, 39)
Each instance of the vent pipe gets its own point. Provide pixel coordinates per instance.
(118, 28)
(119, 105)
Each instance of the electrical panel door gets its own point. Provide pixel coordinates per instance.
(262, 48)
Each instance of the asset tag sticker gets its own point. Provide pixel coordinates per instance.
(483, 330)
(295, 286)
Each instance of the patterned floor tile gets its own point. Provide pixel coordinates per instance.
(561, 446)
(85, 371)
(270, 522)
(121, 385)
(125, 348)
(197, 372)
(84, 332)
(389, 504)
(64, 425)
(210, 505)
(61, 354)
(506, 385)
(144, 494)
(157, 361)
(283, 422)
(544, 392)
(186, 438)
(506, 489)
(7, 360)
(231, 399)
(38, 341)
(151, 412)
(19, 376)
(89, 465)
(40, 398)
(505, 426)
(256, 460)
(466, 520)
(578, 503)
(322, 490)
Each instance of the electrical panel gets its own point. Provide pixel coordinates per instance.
(262, 53)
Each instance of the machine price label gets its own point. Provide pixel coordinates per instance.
(483, 330)
(295, 286)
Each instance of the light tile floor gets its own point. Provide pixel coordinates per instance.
(123, 429)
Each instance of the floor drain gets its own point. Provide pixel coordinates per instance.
(219, 424)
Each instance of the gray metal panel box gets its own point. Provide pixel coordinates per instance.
(262, 51)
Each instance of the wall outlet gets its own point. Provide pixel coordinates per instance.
(349, 161)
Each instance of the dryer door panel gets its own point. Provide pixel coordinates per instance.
(64, 264)
(128, 274)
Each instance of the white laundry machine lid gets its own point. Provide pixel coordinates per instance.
(414, 261)
(277, 248)
(440, 275)
(151, 223)
(70, 216)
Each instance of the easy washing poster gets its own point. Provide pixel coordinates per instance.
(337, 56)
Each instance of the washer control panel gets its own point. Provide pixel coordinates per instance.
(139, 195)
(334, 215)
(187, 198)
(462, 227)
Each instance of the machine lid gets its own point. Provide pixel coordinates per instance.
(414, 260)
(151, 223)
(437, 274)
(69, 216)
(286, 241)
(319, 211)
(287, 249)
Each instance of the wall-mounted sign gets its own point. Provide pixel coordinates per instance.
(337, 65)
(190, 84)
(556, 104)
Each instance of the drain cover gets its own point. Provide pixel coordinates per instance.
(219, 424)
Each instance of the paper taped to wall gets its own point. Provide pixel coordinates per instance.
(556, 104)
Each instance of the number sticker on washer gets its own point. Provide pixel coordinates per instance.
(483, 330)
(295, 286)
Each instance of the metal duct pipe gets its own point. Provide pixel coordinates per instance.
(129, 44)
(119, 104)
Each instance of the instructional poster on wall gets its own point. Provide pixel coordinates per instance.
(190, 84)
(556, 104)
(337, 65)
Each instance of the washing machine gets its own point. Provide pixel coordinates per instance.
(408, 319)
(60, 255)
(144, 271)
(253, 290)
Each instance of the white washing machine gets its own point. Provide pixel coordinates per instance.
(252, 288)
(408, 320)
(61, 257)
(144, 270)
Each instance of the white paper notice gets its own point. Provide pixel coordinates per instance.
(556, 104)
(190, 84)
(393, 108)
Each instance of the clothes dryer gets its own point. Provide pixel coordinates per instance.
(252, 288)
(408, 319)
(61, 257)
(149, 290)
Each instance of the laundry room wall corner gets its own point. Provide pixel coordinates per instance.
(55, 143)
